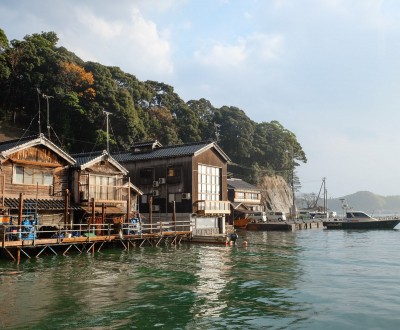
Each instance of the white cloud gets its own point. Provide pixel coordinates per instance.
(134, 43)
(222, 56)
(150, 46)
(256, 46)
(99, 26)
(269, 47)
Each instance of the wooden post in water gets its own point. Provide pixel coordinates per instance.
(66, 207)
(20, 210)
(3, 189)
(174, 215)
(151, 213)
(128, 201)
(91, 221)
(103, 217)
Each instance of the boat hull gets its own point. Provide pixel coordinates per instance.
(379, 224)
(268, 226)
(241, 223)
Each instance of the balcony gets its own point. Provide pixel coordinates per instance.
(206, 208)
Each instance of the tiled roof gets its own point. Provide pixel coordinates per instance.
(6, 145)
(85, 157)
(241, 185)
(166, 152)
(88, 159)
(42, 204)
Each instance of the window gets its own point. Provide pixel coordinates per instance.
(174, 174)
(175, 197)
(104, 187)
(240, 195)
(33, 176)
(209, 183)
(253, 196)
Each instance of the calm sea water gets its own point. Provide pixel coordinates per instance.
(311, 279)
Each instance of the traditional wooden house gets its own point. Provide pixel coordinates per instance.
(186, 181)
(101, 187)
(245, 198)
(34, 179)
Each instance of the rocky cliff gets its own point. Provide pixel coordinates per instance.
(276, 194)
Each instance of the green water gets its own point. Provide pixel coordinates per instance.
(312, 279)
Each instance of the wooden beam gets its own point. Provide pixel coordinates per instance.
(31, 162)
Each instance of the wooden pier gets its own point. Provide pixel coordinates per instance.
(29, 242)
(284, 226)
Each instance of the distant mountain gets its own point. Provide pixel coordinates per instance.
(366, 201)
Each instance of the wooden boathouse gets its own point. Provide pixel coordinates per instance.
(29, 241)
(52, 202)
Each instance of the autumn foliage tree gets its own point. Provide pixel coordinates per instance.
(75, 78)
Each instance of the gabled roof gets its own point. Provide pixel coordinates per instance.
(192, 149)
(239, 184)
(86, 160)
(238, 205)
(134, 188)
(7, 148)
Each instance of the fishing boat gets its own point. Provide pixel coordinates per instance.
(361, 220)
(241, 223)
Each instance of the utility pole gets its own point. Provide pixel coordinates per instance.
(47, 97)
(325, 197)
(108, 145)
(40, 129)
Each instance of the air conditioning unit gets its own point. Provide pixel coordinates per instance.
(156, 208)
(155, 184)
(162, 180)
(186, 196)
(156, 192)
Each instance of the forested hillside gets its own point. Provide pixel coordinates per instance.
(35, 74)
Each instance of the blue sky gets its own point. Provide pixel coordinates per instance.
(327, 70)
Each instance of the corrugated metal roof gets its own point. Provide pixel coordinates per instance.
(240, 184)
(42, 204)
(163, 152)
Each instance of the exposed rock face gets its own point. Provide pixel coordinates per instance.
(277, 194)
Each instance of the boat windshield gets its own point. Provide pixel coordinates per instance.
(357, 215)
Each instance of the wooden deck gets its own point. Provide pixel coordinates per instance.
(88, 239)
(284, 225)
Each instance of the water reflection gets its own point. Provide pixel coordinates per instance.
(191, 286)
(214, 266)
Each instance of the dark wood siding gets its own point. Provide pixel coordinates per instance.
(160, 166)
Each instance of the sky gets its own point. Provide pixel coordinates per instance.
(327, 70)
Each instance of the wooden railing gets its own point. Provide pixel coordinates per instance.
(207, 207)
(9, 232)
